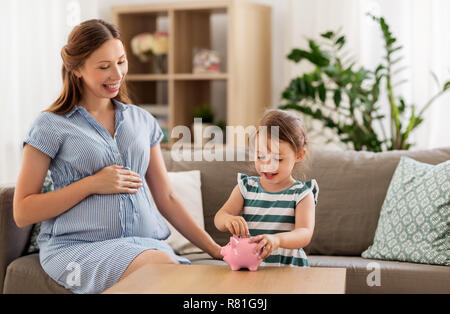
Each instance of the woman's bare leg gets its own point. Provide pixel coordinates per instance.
(148, 257)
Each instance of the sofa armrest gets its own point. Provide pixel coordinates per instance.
(13, 240)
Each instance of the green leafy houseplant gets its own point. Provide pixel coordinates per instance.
(198, 127)
(205, 113)
(345, 97)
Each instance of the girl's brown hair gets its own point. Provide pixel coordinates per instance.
(290, 128)
(84, 39)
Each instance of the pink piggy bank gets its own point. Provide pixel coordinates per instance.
(238, 253)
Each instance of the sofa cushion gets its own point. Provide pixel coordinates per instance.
(394, 277)
(47, 186)
(353, 186)
(13, 240)
(25, 275)
(414, 220)
(187, 187)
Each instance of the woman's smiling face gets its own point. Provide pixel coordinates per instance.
(104, 70)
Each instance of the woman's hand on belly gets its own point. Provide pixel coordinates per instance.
(114, 179)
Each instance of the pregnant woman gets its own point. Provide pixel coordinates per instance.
(101, 221)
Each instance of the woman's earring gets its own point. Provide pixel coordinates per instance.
(78, 76)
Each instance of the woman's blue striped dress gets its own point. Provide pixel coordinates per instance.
(87, 248)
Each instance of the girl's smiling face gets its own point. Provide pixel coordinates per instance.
(274, 162)
(104, 70)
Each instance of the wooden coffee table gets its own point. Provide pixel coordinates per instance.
(213, 279)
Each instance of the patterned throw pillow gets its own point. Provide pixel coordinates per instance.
(414, 221)
(46, 187)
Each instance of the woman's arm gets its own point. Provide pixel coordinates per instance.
(228, 219)
(171, 208)
(30, 206)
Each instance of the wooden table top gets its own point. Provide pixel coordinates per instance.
(213, 279)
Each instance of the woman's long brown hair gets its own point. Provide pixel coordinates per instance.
(84, 39)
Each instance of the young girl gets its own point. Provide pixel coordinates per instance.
(103, 220)
(277, 210)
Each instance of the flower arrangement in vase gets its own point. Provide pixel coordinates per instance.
(154, 47)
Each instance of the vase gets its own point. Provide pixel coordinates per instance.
(159, 64)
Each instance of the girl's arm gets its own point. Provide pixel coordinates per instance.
(297, 238)
(228, 219)
(304, 225)
(30, 206)
(171, 208)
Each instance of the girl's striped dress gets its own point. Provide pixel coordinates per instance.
(274, 212)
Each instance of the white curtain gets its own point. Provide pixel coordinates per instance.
(421, 26)
(32, 33)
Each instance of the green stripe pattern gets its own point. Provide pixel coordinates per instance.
(274, 212)
(269, 218)
(287, 260)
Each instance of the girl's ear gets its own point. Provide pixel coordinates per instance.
(300, 155)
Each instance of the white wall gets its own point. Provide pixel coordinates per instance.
(34, 32)
(419, 25)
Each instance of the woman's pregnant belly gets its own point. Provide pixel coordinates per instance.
(96, 218)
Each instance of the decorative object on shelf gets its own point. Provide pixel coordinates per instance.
(154, 47)
(346, 98)
(206, 61)
(142, 46)
(214, 25)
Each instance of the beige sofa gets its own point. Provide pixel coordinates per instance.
(352, 189)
